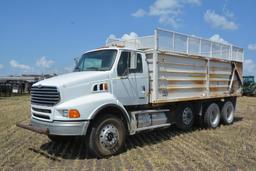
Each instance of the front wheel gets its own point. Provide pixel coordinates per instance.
(107, 136)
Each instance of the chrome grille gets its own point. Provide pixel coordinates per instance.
(44, 95)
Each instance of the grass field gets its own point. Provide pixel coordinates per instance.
(227, 147)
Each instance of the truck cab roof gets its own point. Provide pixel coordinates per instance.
(113, 48)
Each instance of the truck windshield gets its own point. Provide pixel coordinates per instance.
(101, 60)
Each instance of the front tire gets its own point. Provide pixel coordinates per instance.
(107, 136)
(227, 113)
(212, 116)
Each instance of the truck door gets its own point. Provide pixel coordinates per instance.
(131, 85)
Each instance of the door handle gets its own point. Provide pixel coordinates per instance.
(143, 92)
(143, 88)
(124, 77)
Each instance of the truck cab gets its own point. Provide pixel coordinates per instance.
(103, 79)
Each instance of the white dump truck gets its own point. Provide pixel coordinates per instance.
(136, 85)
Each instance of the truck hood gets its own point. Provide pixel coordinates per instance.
(74, 78)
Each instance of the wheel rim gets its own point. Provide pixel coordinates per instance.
(108, 137)
(187, 115)
(214, 117)
(230, 112)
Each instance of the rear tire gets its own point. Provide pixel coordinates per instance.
(212, 116)
(227, 113)
(185, 117)
(107, 136)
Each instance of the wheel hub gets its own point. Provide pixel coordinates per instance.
(187, 115)
(214, 117)
(230, 112)
(108, 136)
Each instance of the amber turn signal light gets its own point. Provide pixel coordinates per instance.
(73, 113)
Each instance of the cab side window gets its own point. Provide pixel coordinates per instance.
(139, 65)
(124, 64)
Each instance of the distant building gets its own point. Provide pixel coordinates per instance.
(19, 84)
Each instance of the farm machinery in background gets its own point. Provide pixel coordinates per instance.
(249, 87)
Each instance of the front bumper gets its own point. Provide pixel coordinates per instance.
(67, 128)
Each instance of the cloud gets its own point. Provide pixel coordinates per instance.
(164, 19)
(43, 62)
(139, 13)
(69, 69)
(112, 36)
(252, 46)
(165, 8)
(226, 11)
(132, 35)
(196, 2)
(167, 11)
(1, 66)
(125, 36)
(249, 67)
(217, 38)
(17, 65)
(219, 21)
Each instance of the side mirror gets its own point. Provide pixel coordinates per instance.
(76, 59)
(76, 64)
(133, 60)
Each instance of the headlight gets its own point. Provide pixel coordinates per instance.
(72, 113)
(64, 113)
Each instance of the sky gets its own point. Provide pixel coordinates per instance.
(44, 36)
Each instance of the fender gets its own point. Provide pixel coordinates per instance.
(118, 106)
(90, 105)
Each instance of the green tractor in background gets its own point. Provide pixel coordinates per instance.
(249, 86)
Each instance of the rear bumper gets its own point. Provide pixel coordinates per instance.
(67, 128)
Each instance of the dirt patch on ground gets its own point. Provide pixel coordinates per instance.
(227, 147)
